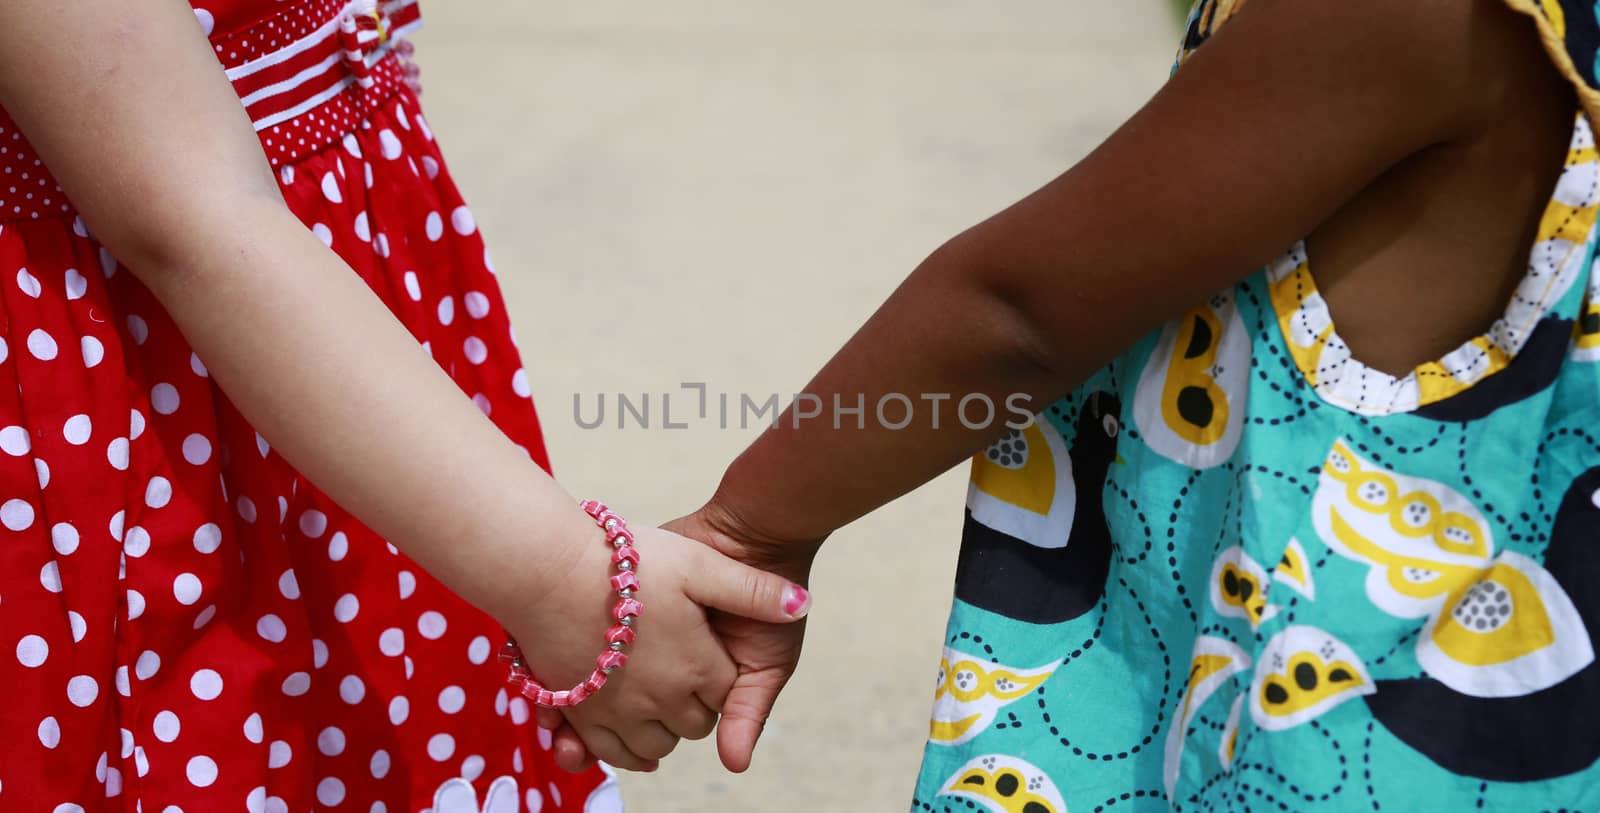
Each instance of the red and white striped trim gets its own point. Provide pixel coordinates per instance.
(302, 75)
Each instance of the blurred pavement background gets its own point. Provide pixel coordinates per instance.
(740, 184)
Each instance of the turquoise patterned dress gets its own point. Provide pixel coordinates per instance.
(1240, 570)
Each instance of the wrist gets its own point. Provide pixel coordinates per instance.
(733, 531)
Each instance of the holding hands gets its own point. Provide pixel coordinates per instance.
(721, 637)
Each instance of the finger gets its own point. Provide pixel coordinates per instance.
(569, 752)
(548, 719)
(694, 721)
(744, 716)
(606, 745)
(736, 588)
(649, 739)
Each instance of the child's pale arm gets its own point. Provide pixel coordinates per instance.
(127, 104)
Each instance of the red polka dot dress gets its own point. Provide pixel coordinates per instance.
(186, 624)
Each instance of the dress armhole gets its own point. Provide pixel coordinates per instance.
(1570, 31)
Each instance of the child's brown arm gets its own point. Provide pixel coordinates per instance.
(1285, 115)
(1292, 109)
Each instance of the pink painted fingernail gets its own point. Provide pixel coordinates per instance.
(796, 601)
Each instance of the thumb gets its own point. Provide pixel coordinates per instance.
(744, 716)
(723, 584)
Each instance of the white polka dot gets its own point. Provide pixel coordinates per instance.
(390, 144)
(519, 710)
(501, 702)
(82, 691)
(49, 733)
(135, 424)
(28, 283)
(271, 628)
(32, 651)
(5, 350)
(319, 653)
(16, 515)
(206, 684)
(196, 449)
(431, 166)
(288, 585)
(380, 244)
(207, 538)
(64, 538)
(77, 286)
(478, 650)
(323, 233)
(313, 523)
(345, 609)
(164, 398)
(477, 304)
(475, 350)
(166, 726)
(481, 401)
(197, 365)
(330, 188)
(452, 699)
(534, 801)
(286, 175)
(41, 345)
(71, 808)
(447, 310)
(441, 746)
(380, 764)
(117, 454)
(141, 762)
(204, 617)
(351, 145)
(461, 220)
(392, 642)
(77, 430)
(135, 604)
(352, 690)
(50, 577)
(408, 584)
(93, 351)
(472, 768)
(278, 754)
(158, 492)
(15, 441)
(431, 625)
(331, 741)
(246, 508)
(413, 289)
(148, 664)
(546, 739)
(207, 22)
(256, 801)
(338, 546)
(411, 667)
(399, 710)
(124, 685)
(330, 791)
(43, 470)
(202, 771)
(138, 329)
(136, 542)
(363, 228)
(80, 627)
(252, 728)
(261, 445)
(434, 226)
(297, 684)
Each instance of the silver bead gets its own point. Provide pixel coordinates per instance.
(611, 525)
(625, 565)
(617, 645)
(609, 669)
(627, 621)
(626, 592)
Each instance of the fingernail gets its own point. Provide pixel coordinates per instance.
(796, 601)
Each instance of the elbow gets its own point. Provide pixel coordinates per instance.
(167, 244)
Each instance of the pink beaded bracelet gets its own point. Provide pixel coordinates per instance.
(626, 582)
